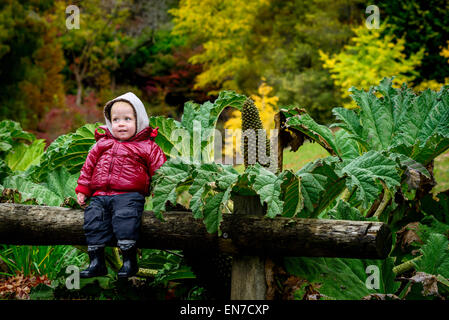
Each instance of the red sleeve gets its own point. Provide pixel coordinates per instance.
(87, 170)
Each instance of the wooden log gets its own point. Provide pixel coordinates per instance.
(241, 234)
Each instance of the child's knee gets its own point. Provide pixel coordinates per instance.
(97, 225)
(126, 223)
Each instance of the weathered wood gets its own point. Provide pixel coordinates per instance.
(248, 272)
(241, 234)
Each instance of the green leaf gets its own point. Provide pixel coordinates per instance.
(226, 179)
(435, 259)
(320, 185)
(243, 185)
(363, 173)
(58, 186)
(291, 192)
(165, 138)
(62, 183)
(196, 129)
(30, 190)
(376, 117)
(22, 156)
(319, 133)
(228, 98)
(409, 163)
(11, 134)
(350, 123)
(165, 181)
(344, 211)
(69, 150)
(201, 177)
(213, 215)
(348, 148)
(268, 186)
(343, 278)
(206, 175)
(4, 170)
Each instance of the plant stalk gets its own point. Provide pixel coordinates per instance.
(348, 194)
(386, 198)
(406, 266)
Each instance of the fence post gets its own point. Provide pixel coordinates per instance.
(248, 272)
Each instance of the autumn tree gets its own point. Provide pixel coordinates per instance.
(30, 63)
(222, 28)
(45, 89)
(92, 50)
(368, 58)
(277, 40)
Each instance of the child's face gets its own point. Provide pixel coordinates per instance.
(123, 121)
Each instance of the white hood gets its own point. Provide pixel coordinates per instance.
(141, 113)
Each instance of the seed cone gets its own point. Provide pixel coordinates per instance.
(251, 121)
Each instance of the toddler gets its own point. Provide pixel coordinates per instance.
(117, 175)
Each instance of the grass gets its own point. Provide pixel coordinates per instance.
(441, 172)
(296, 160)
(39, 260)
(306, 153)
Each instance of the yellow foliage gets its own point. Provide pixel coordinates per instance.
(267, 106)
(429, 84)
(445, 52)
(369, 58)
(222, 27)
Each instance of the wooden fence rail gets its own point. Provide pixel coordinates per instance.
(241, 234)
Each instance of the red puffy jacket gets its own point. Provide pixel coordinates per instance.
(113, 167)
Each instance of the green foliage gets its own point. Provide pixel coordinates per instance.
(169, 266)
(369, 58)
(370, 167)
(422, 25)
(53, 191)
(69, 151)
(45, 178)
(435, 256)
(40, 260)
(344, 211)
(343, 279)
(320, 185)
(196, 128)
(19, 149)
(369, 155)
(21, 36)
(24, 156)
(12, 135)
(407, 128)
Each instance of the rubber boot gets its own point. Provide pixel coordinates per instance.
(97, 265)
(129, 267)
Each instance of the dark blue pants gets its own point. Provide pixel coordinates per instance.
(109, 217)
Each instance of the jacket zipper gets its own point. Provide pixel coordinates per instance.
(114, 149)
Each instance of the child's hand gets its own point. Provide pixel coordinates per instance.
(81, 198)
